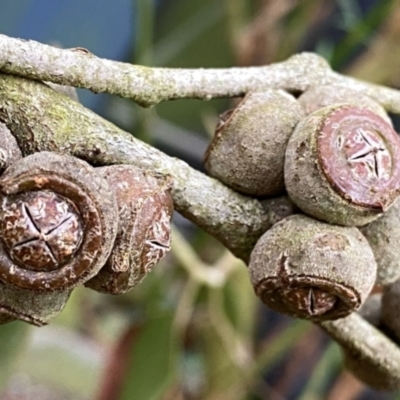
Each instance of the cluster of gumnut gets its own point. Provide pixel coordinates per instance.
(64, 223)
(334, 152)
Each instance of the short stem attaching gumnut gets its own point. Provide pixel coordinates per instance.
(383, 235)
(248, 149)
(35, 308)
(342, 165)
(312, 270)
(317, 97)
(58, 222)
(144, 233)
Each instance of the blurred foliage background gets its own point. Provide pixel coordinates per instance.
(194, 328)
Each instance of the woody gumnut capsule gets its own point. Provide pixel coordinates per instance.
(58, 222)
(383, 236)
(313, 270)
(248, 149)
(144, 234)
(342, 165)
(321, 96)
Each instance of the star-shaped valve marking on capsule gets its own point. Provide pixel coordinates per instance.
(43, 231)
(371, 152)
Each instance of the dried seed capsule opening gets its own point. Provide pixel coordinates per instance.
(59, 222)
(309, 297)
(342, 165)
(357, 153)
(41, 230)
(309, 269)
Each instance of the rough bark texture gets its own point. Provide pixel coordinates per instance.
(148, 86)
(44, 120)
(370, 355)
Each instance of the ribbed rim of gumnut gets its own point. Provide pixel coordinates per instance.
(69, 274)
(293, 295)
(96, 207)
(359, 154)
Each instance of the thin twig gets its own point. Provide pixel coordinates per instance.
(42, 119)
(148, 86)
(368, 344)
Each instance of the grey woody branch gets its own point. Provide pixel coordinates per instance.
(377, 354)
(42, 119)
(149, 86)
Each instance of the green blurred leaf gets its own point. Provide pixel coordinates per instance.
(351, 13)
(328, 365)
(62, 359)
(12, 341)
(240, 302)
(360, 32)
(192, 34)
(153, 361)
(224, 375)
(296, 27)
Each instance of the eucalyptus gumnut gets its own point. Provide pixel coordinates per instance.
(144, 234)
(35, 308)
(313, 270)
(383, 236)
(342, 165)
(321, 96)
(58, 222)
(248, 149)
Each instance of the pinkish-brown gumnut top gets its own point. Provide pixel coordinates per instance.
(58, 222)
(41, 230)
(359, 154)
